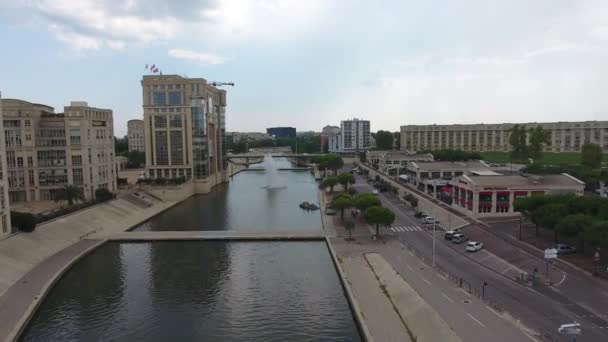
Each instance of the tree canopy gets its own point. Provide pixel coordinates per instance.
(364, 201)
(345, 179)
(527, 143)
(378, 215)
(329, 182)
(384, 140)
(591, 155)
(341, 203)
(70, 193)
(329, 161)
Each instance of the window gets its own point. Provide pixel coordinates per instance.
(28, 137)
(176, 121)
(30, 161)
(160, 121)
(175, 98)
(27, 123)
(161, 150)
(177, 156)
(78, 176)
(51, 158)
(10, 159)
(76, 160)
(31, 177)
(74, 136)
(159, 98)
(20, 162)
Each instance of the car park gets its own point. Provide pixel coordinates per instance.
(450, 233)
(563, 249)
(473, 246)
(459, 238)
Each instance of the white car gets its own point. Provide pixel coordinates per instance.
(473, 246)
(430, 219)
(375, 192)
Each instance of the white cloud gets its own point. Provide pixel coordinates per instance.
(200, 57)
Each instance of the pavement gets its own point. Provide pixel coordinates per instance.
(538, 310)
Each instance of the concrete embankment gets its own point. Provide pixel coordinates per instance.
(237, 235)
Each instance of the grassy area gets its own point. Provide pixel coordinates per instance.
(548, 158)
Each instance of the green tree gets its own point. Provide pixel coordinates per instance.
(103, 194)
(384, 140)
(341, 203)
(550, 215)
(591, 155)
(539, 137)
(397, 140)
(574, 225)
(349, 226)
(136, 159)
(69, 193)
(345, 179)
(329, 182)
(364, 201)
(378, 215)
(597, 233)
(25, 222)
(517, 140)
(121, 145)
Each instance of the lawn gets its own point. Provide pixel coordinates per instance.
(548, 158)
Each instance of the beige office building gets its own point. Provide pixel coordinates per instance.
(135, 135)
(565, 136)
(47, 150)
(184, 120)
(5, 213)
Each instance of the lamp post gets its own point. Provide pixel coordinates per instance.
(483, 290)
(520, 228)
(434, 223)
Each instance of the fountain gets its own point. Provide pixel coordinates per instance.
(273, 180)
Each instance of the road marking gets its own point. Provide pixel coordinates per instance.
(530, 337)
(508, 268)
(446, 297)
(465, 292)
(424, 280)
(441, 276)
(412, 254)
(486, 257)
(561, 281)
(408, 266)
(496, 313)
(476, 320)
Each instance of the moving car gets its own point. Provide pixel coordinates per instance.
(459, 238)
(563, 249)
(430, 219)
(330, 212)
(450, 233)
(473, 246)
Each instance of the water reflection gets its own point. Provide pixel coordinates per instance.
(187, 291)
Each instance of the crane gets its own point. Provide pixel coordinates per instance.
(219, 84)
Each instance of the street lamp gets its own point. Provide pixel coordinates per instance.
(483, 290)
(434, 224)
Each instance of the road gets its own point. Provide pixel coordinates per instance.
(540, 308)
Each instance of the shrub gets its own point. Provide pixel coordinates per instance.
(103, 195)
(25, 222)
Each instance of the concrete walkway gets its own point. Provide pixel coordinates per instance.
(219, 235)
(20, 300)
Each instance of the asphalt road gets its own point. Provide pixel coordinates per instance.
(540, 308)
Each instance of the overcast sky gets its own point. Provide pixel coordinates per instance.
(310, 63)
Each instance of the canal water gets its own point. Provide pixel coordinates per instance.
(206, 290)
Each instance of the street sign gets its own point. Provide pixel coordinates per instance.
(550, 253)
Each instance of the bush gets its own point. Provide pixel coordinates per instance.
(352, 191)
(103, 195)
(25, 222)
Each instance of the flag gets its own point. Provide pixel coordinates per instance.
(161, 72)
(152, 68)
(146, 66)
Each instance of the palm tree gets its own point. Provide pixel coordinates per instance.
(70, 193)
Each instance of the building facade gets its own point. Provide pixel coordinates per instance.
(46, 150)
(5, 213)
(394, 163)
(565, 136)
(480, 196)
(184, 120)
(354, 136)
(281, 132)
(329, 139)
(135, 135)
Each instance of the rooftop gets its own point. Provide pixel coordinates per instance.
(473, 165)
(563, 179)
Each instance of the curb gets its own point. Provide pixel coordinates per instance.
(37, 301)
(363, 329)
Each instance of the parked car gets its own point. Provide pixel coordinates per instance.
(430, 219)
(459, 238)
(419, 214)
(563, 249)
(375, 192)
(330, 212)
(450, 233)
(473, 246)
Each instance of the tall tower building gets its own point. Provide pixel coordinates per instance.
(5, 213)
(355, 135)
(184, 120)
(135, 135)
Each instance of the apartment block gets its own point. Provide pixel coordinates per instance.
(46, 150)
(5, 213)
(135, 135)
(565, 136)
(355, 135)
(184, 120)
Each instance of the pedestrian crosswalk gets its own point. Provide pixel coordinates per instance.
(404, 229)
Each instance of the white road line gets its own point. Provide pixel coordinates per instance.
(475, 319)
(442, 277)
(465, 292)
(410, 267)
(401, 229)
(508, 268)
(446, 297)
(561, 281)
(424, 280)
(496, 313)
(530, 337)
(412, 254)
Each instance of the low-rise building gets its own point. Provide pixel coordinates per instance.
(480, 195)
(329, 139)
(5, 213)
(281, 132)
(394, 163)
(248, 136)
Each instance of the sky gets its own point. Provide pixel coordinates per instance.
(313, 63)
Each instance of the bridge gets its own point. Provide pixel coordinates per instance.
(236, 235)
(255, 158)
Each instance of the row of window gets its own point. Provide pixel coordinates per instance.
(170, 173)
